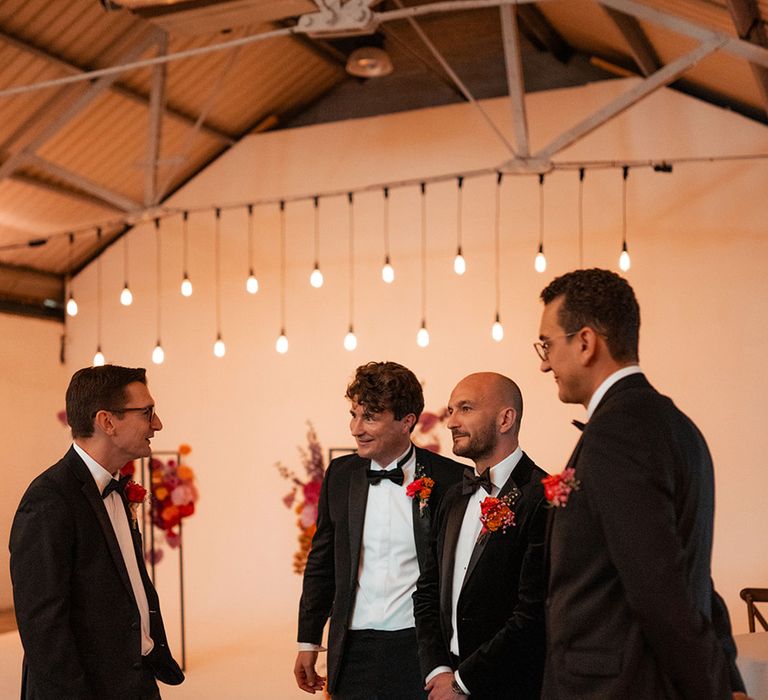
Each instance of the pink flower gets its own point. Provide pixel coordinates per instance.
(308, 515)
(172, 538)
(558, 487)
(311, 490)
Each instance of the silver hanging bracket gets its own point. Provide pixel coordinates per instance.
(334, 19)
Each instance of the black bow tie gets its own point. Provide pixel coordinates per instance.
(470, 483)
(376, 476)
(115, 485)
(579, 424)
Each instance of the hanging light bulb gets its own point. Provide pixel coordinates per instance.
(186, 283)
(540, 263)
(71, 303)
(158, 354)
(252, 283)
(281, 345)
(219, 349)
(422, 337)
(624, 262)
(71, 306)
(387, 272)
(98, 358)
(126, 296)
(350, 340)
(316, 278)
(459, 264)
(497, 330)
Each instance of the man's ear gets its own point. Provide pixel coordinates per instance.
(104, 422)
(409, 420)
(507, 419)
(588, 340)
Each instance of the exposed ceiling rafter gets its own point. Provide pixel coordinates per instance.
(641, 49)
(512, 57)
(537, 27)
(751, 27)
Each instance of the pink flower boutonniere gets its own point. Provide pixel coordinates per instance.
(558, 487)
(136, 494)
(421, 487)
(495, 514)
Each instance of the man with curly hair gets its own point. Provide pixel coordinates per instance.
(631, 609)
(371, 542)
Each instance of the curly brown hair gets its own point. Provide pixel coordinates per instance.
(605, 302)
(387, 386)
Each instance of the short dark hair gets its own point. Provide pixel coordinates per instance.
(602, 300)
(387, 386)
(93, 389)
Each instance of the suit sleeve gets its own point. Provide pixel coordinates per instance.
(517, 649)
(42, 544)
(319, 574)
(631, 489)
(433, 649)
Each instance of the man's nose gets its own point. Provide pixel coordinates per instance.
(156, 423)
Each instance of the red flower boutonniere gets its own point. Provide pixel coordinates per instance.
(495, 514)
(421, 487)
(558, 487)
(135, 493)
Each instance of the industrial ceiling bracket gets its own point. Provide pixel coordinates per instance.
(334, 19)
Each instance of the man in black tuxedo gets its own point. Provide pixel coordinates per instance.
(479, 602)
(371, 541)
(88, 615)
(631, 605)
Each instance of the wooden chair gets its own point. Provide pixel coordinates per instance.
(752, 596)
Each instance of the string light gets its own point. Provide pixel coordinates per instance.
(219, 349)
(316, 277)
(98, 358)
(459, 264)
(281, 345)
(186, 283)
(497, 330)
(126, 296)
(350, 339)
(158, 354)
(624, 262)
(540, 263)
(252, 283)
(581, 217)
(387, 272)
(422, 337)
(71, 303)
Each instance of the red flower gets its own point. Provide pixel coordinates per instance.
(496, 514)
(421, 487)
(311, 490)
(135, 493)
(558, 487)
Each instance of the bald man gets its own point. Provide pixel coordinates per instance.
(479, 603)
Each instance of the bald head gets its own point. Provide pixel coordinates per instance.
(484, 414)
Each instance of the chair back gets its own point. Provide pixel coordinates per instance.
(752, 596)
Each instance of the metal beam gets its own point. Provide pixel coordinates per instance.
(74, 108)
(119, 89)
(641, 49)
(659, 79)
(102, 194)
(155, 127)
(515, 82)
(750, 27)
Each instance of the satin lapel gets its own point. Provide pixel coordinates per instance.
(358, 499)
(96, 503)
(421, 518)
(448, 553)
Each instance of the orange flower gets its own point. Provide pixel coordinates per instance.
(185, 473)
(161, 493)
(184, 449)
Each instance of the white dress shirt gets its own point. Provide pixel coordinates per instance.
(389, 568)
(116, 512)
(608, 382)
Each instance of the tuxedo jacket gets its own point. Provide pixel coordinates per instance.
(630, 606)
(330, 577)
(77, 614)
(500, 609)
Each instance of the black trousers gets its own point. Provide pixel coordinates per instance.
(149, 689)
(379, 665)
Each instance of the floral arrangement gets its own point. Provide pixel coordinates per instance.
(495, 514)
(305, 494)
(421, 487)
(173, 496)
(558, 487)
(136, 495)
(425, 433)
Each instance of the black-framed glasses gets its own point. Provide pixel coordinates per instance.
(542, 348)
(147, 411)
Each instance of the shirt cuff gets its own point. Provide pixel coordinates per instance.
(461, 685)
(306, 646)
(437, 671)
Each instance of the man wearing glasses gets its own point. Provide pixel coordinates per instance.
(88, 615)
(631, 610)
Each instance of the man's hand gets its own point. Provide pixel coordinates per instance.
(440, 688)
(304, 670)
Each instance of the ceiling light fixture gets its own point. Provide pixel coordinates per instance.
(316, 277)
(71, 303)
(219, 349)
(497, 330)
(350, 340)
(540, 263)
(422, 337)
(387, 272)
(252, 283)
(186, 283)
(281, 344)
(369, 62)
(98, 358)
(459, 264)
(624, 262)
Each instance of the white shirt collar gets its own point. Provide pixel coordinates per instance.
(100, 475)
(393, 463)
(608, 382)
(503, 470)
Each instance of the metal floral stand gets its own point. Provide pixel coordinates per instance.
(147, 519)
